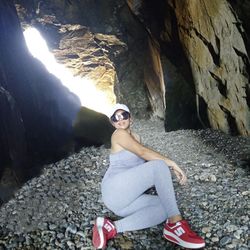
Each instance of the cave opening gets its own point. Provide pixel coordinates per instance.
(90, 96)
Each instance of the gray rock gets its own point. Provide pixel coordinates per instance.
(225, 240)
(71, 229)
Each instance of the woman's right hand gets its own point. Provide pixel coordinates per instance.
(181, 176)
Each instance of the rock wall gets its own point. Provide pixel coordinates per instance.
(102, 41)
(212, 38)
(184, 61)
(36, 110)
(176, 83)
(34, 126)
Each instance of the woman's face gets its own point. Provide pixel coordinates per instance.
(122, 119)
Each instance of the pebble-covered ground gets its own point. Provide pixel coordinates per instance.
(57, 209)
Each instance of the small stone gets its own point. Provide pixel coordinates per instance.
(52, 226)
(196, 177)
(238, 233)
(20, 197)
(70, 244)
(208, 235)
(20, 239)
(43, 226)
(231, 228)
(71, 229)
(225, 240)
(214, 239)
(246, 193)
(239, 172)
(231, 246)
(213, 222)
(244, 218)
(206, 229)
(245, 228)
(203, 177)
(212, 178)
(80, 233)
(243, 248)
(79, 245)
(60, 235)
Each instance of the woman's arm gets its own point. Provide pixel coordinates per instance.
(124, 140)
(136, 137)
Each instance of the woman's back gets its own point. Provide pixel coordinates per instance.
(122, 161)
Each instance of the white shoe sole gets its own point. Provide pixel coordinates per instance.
(99, 225)
(181, 242)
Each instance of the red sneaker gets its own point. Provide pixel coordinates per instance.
(180, 233)
(103, 230)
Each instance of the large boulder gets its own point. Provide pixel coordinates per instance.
(92, 128)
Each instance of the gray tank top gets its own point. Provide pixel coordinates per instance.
(122, 161)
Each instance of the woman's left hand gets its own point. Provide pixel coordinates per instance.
(181, 176)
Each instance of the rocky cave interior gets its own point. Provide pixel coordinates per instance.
(185, 62)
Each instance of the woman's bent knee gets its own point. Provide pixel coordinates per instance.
(115, 209)
(161, 166)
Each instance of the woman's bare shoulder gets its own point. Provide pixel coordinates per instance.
(120, 131)
(117, 135)
(115, 139)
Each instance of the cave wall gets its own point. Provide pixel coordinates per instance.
(212, 37)
(242, 9)
(207, 44)
(178, 90)
(188, 59)
(37, 112)
(100, 40)
(111, 45)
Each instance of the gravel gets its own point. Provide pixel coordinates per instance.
(56, 210)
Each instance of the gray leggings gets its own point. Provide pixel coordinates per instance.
(123, 194)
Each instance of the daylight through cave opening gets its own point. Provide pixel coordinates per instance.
(84, 88)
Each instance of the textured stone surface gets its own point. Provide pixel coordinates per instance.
(159, 19)
(188, 56)
(103, 42)
(88, 54)
(211, 35)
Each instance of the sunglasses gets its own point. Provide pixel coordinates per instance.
(119, 117)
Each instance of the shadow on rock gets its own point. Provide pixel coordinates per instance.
(91, 128)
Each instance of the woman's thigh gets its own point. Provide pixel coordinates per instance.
(141, 202)
(120, 190)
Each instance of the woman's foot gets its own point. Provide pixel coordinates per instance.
(180, 233)
(103, 230)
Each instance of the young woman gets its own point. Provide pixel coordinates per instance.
(134, 169)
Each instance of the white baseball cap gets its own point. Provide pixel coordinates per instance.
(116, 107)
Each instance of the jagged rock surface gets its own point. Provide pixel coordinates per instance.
(188, 56)
(213, 40)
